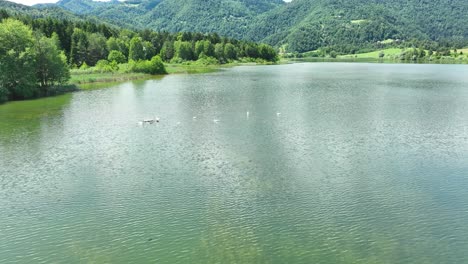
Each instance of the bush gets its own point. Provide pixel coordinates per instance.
(205, 60)
(153, 66)
(84, 66)
(106, 66)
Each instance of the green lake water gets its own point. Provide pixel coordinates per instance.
(335, 163)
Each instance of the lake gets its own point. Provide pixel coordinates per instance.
(333, 163)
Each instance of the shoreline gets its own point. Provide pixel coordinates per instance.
(90, 81)
(374, 60)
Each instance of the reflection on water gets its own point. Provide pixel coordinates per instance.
(365, 163)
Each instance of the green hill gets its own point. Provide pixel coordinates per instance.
(51, 11)
(345, 26)
(225, 17)
(349, 24)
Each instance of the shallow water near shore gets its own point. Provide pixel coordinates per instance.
(334, 163)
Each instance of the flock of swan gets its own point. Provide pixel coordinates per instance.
(156, 119)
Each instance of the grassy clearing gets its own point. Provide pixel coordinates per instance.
(375, 54)
(464, 50)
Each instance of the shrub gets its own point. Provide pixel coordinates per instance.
(153, 66)
(106, 66)
(84, 66)
(205, 60)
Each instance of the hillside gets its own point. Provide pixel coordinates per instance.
(225, 17)
(51, 11)
(309, 24)
(346, 26)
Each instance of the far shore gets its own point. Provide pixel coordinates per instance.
(81, 81)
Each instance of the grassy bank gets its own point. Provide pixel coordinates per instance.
(89, 77)
(374, 54)
(192, 68)
(389, 55)
(399, 55)
(92, 75)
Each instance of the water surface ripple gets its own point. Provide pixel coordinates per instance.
(335, 163)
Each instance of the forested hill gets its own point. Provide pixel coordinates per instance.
(51, 11)
(301, 25)
(349, 24)
(225, 17)
(345, 26)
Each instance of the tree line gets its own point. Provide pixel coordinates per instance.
(36, 55)
(31, 64)
(88, 42)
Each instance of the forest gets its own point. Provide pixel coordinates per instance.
(342, 26)
(36, 54)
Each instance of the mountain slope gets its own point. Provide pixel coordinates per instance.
(49, 11)
(301, 25)
(226, 17)
(231, 18)
(309, 24)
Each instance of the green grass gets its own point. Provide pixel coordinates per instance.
(191, 68)
(374, 54)
(86, 78)
(464, 50)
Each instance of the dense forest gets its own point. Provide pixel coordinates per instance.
(352, 26)
(37, 53)
(343, 26)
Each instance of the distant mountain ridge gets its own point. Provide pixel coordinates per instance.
(297, 26)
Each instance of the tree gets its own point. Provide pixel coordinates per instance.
(79, 47)
(116, 56)
(97, 48)
(17, 61)
(219, 51)
(136, 51)
(230, 51)
(51, 66)
(3, 14)
(183, 50)
(267, 52)
(204, 46)
(149, 50)
(167, 51)
(117, 44)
